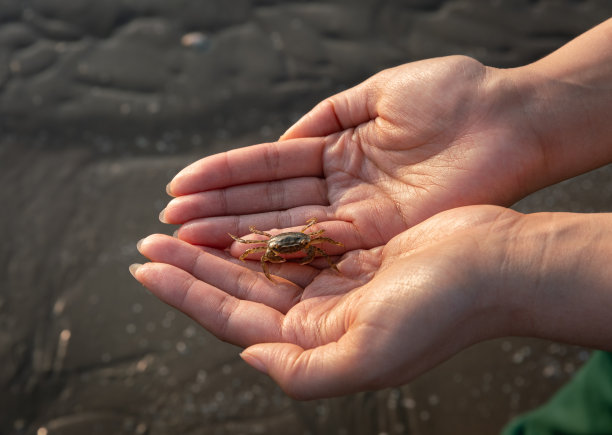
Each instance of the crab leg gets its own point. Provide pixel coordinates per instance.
(245, 241)
(324, 254)
(316, 233)
(310, 223)
(250, 251)
(310, 254)
(256, 231)
(272, 257)
(325, 239)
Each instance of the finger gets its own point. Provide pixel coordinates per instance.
(339, 112)
(263, 162)
(213, 231)
(231, 319)
(297, 274)
(235, 279)
(247, 199)
(333, 369)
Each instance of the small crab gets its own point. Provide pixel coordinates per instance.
(287, 243)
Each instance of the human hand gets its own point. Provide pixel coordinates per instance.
(407, 143)
(412, 141)
(391, 313)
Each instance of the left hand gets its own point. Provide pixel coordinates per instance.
(372, 161)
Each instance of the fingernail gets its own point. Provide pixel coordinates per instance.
(139, 244)
(254, 362)
(162, 218)
(168, 189)
(175, 234)
(133, 268)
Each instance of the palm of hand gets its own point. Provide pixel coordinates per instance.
(239, 305)
(428, 141)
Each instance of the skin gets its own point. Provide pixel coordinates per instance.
(387, 168)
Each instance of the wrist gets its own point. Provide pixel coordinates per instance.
(557, 281)
(566, 100)
(567, 121)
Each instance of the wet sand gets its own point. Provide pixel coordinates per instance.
(91, 132)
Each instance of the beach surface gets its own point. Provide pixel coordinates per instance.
(101, 103)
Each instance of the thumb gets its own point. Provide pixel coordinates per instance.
(345, 110)
(325, 371)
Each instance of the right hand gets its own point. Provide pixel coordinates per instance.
(391, 313)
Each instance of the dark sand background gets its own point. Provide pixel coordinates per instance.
(100, 105)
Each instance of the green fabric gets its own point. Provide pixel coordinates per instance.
(583, 406)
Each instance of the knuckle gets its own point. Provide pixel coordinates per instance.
(223, 320)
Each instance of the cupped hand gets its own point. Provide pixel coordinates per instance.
(371, 161)
(391, 312)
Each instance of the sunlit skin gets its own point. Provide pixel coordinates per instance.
(386, 167)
